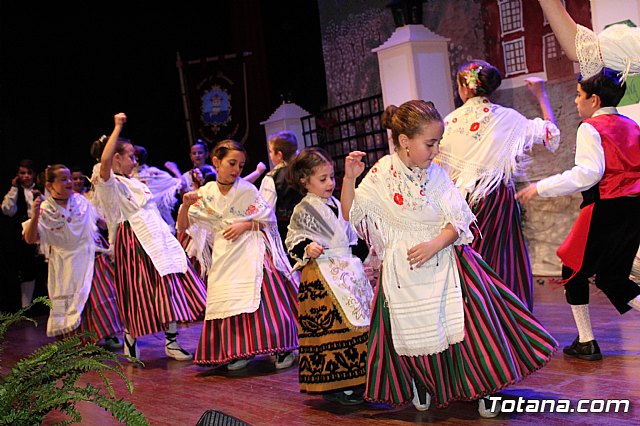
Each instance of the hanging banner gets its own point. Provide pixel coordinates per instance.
(215, 91)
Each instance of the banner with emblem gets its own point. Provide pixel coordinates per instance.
(215, 98)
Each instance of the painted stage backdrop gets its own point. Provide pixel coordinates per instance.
(512, 35)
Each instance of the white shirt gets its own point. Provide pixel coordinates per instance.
(589, 163)
(10, 201)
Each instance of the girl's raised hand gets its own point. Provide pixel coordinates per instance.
(120, 119)
(190, 198)
(353, 165)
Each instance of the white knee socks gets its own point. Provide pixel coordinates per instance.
(583, 322)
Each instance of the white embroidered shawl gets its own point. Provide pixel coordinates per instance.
(235, 269)
(124, 199)
(342, 272)
(67, 236)
(394, 209)
(484, 144)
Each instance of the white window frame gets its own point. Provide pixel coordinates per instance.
(505, 44)
(502, 23)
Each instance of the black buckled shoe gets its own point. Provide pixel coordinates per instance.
(589, 351)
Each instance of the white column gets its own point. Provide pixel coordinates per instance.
(414, 64)
(285, 117)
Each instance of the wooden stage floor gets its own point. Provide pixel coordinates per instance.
(169, 392)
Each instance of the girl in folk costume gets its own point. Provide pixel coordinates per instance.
(439, 308)
(156, 284)
(482, 150)
(334, 298)
(251, 306)
(80, 280)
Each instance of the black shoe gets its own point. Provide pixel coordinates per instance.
(589, 351)
(343, 398)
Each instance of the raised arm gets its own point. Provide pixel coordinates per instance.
(110, 147)
(353, 167)
(563, 26)
(188, 199)
(31, 231)
(537, 88)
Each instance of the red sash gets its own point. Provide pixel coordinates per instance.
(571, 251)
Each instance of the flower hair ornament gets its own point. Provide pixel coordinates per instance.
(472, 77)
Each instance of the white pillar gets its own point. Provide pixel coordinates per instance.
(285, 117)
(414, 64)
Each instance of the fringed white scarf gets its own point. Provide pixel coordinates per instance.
(234, 269)
(485, 144)
(394, 209)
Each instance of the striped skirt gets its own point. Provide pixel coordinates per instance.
(148, 302)
(100, 313)
(270, 329)
(332, 356)
(501, 243)
(503, 344)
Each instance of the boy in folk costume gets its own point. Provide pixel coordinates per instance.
(606, 235)
(334, 298)
(251, 300)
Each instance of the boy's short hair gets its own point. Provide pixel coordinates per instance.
(284, 142)
(27, 164)
(607, 85)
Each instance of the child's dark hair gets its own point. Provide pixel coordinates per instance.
(141, 154)
(284, 142)
(222, 148)
(98, 146)
(480, 76)
(51, 172)
(607, 85)
(27, 164)
(301, 168)
(203, 144)
(408, 118)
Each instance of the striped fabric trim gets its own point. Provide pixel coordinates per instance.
(148, 302)
(100, 314)
(501, 242)
(270, 329)
(503, 344)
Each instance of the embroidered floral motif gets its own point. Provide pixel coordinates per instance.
(474, 127)
(398, 199)
(252, 209)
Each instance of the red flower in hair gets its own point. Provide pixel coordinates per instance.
(397, 198)
(474, 127)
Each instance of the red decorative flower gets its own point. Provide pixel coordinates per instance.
(374, 170)
(474, 127)
(485, 101)
(397, 198)
(422, 192)
(251, 210)
(395, 174)
(455, 120)
(486, 109)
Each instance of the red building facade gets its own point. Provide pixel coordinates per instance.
(519, 40)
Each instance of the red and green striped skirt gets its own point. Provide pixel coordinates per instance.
(100, 313)
(270, 329)
(148, 302)
(503, 344)
(501, 242)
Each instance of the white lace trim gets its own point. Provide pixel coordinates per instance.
(588, 52)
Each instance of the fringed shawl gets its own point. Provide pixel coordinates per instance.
(485, 144)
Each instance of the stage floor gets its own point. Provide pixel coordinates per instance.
(170, 392)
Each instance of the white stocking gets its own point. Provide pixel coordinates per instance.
(26, 289)
(583, 322)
